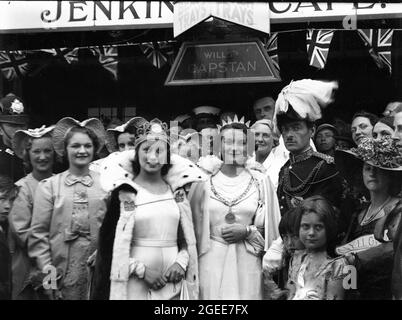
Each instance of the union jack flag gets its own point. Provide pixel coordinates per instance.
(271, 45)
(318, 43)
(69, 54)
(379, 42)
(158, 52)
(108, 58)
(13, 64)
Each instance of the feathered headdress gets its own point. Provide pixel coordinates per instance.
(306, 97)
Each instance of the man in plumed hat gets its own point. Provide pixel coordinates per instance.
(307, 172)
(12, 118)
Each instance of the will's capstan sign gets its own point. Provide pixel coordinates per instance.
(231, 62)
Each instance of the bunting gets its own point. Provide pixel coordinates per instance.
(379, 42)
(318, 43)
(68, 54)
(158, 52)
(108, 58)
(13, 64)
(271, 45)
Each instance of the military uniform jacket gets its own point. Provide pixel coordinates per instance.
(310, 173)
(10, 164)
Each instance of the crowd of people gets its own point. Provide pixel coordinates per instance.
(208, 207)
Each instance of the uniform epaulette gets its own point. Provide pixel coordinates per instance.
(328, 159)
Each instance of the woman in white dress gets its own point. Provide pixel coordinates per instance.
(236, 217)
(147, 242)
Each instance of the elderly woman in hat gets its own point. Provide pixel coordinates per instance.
(373, 227)
(146, 243)
(236, 216)
(35, 147)
(68, 211)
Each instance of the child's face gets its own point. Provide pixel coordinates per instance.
(292, 242)
(6, 200)
(312, 232)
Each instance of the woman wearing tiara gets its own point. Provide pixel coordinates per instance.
(236, 217)
(146, 245)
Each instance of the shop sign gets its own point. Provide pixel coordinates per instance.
(254, 15)
(224, 62)
(36, 16)
(44, 16)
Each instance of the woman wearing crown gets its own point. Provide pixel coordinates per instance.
(68, 210)
(236, 217)
(146, 243)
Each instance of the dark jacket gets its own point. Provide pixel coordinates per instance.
(311, 173)
(5, 268)
(10, 164)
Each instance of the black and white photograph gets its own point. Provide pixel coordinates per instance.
(211, 151)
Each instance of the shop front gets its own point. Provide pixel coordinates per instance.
(118, 59)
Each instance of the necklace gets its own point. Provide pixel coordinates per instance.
(373, 216)
(230, 217)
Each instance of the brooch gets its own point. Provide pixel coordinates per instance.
(295, 201)
(179, 196)
(129, 205)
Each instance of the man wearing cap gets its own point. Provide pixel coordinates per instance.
(307, 172)
(12, 118)
(324, 139)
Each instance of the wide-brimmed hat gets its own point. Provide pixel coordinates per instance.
(152, 130)
(111, 134)
(12, 110)
(66, 124)
(382, 153)
(21, 138)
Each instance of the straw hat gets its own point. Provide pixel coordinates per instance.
(111, 134)
(66, 124)
(21, 138)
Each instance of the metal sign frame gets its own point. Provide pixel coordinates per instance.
(170, 82)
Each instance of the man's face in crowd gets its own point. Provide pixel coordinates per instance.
(265, 111)
(398, 130)
(8, 130)
(205, 122)
(296, 135)
(361, 128)
(264, 139)
(325, 140)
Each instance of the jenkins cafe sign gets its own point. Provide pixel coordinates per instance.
(44, 16)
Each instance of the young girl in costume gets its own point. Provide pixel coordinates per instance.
(309, 275)
(147, 244)
(236, 217)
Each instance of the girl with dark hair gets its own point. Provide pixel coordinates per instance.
(309, 275)
(236, 216)
(35, 147)
(146, 243)
(68, 210)
(371, 233)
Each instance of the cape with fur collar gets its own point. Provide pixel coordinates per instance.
(111, 277)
